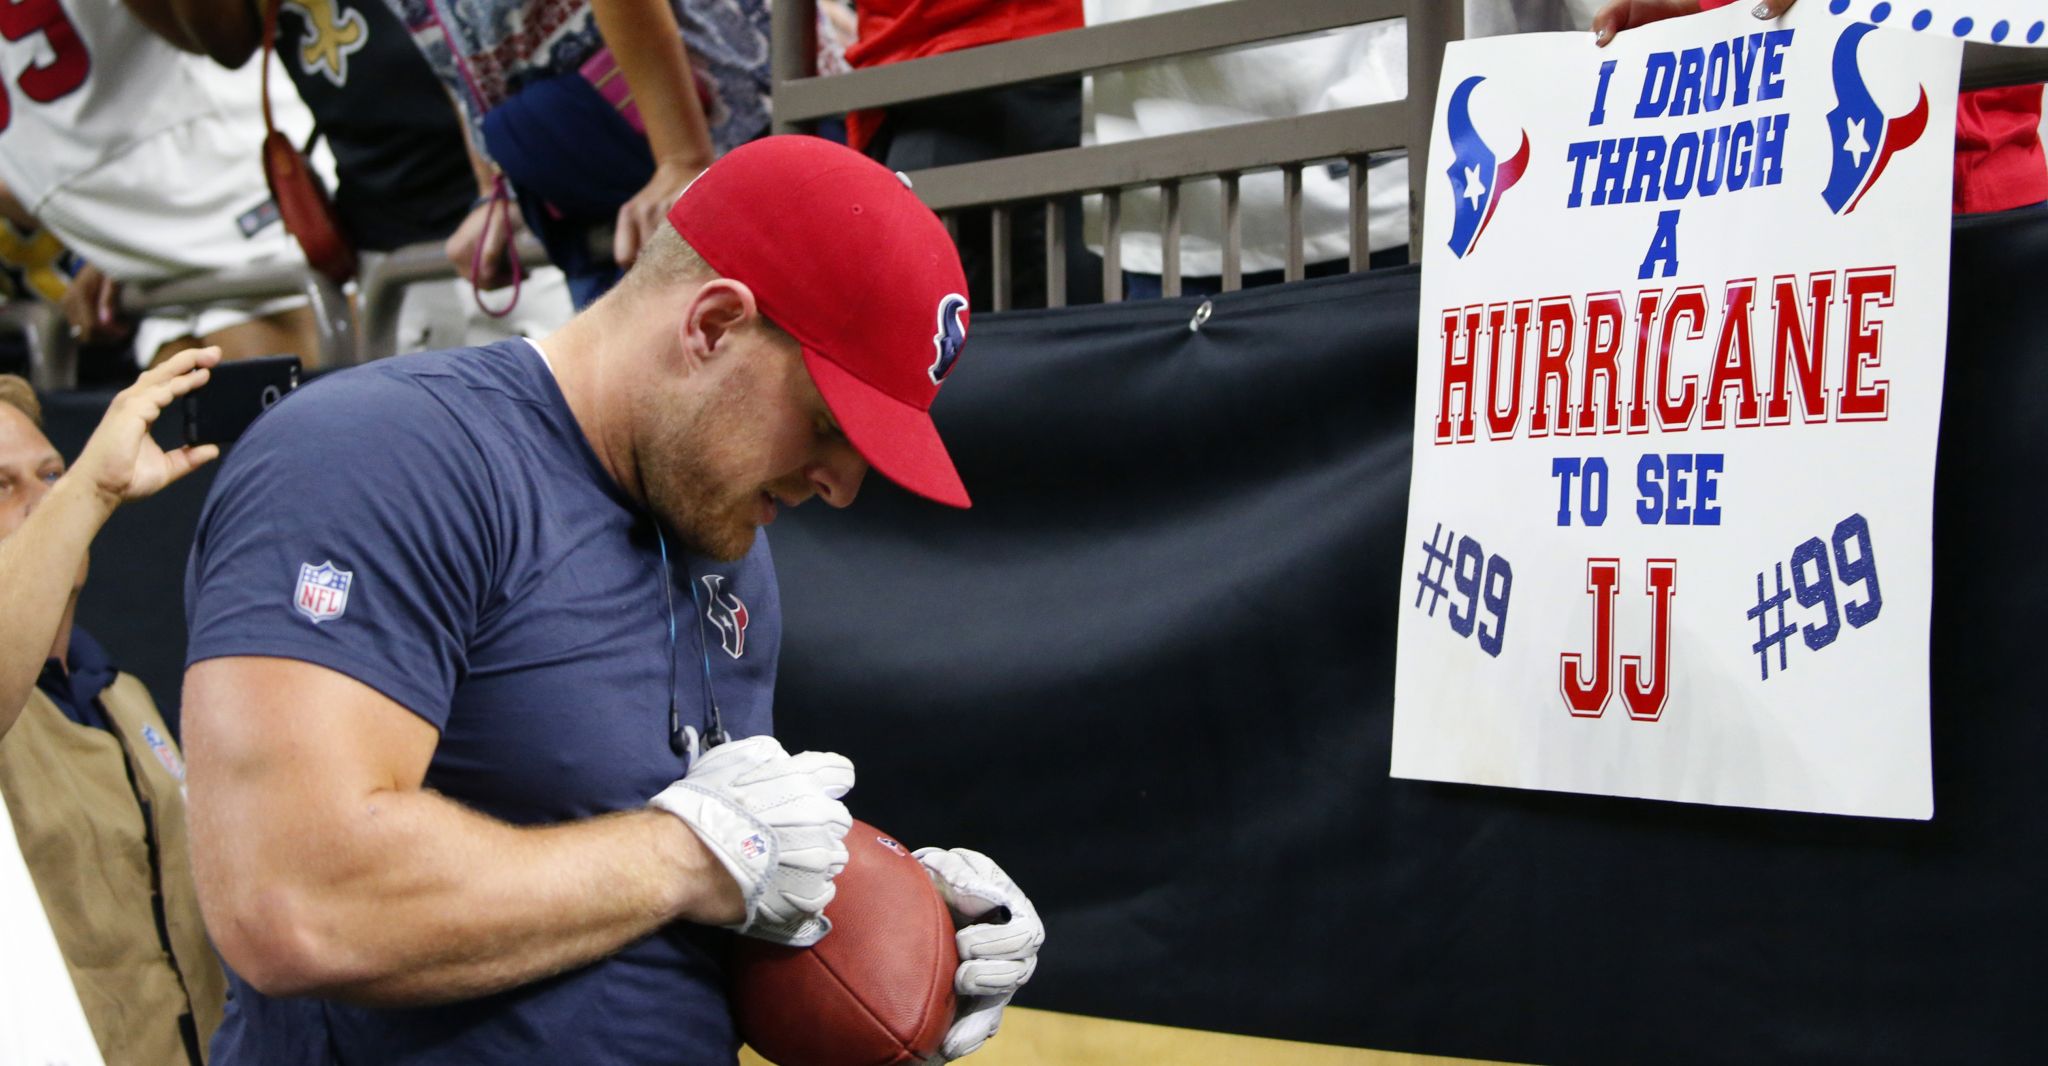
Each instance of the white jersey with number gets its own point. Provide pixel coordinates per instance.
(144, 159)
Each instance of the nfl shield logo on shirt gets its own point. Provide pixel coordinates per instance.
(323, 591)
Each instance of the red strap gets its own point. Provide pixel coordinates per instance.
(269, 37)
(499, 206)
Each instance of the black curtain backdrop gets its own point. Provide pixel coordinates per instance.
(1151, 672)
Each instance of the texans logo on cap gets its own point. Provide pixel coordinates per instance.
(1477, 183)
(951, 335)
(1864, 138)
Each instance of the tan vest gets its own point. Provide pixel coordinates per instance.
(67, 788)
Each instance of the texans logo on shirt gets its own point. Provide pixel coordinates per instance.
(951, 335)
(1864, 138)
(1477, 181)
(727, 613)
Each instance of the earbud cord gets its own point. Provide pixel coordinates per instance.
(678, 742)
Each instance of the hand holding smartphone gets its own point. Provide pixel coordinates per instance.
(219, 411)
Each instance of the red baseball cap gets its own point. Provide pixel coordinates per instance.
(842, 255)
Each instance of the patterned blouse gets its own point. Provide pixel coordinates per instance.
(485, 51)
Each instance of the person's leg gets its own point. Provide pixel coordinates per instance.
(992, 125)
(293, 331)
(943, 133)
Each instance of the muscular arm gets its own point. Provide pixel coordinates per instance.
(228, 31)
(39, 565)
(324, 868)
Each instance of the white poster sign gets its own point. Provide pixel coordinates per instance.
(1684, 313)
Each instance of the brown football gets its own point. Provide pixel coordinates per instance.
(876, 991)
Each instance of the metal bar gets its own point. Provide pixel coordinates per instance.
(1169, 240)
(1988, 66)
(1112, 246)
(333, 318)
(380, 288)
(264, 282)
(999, 257)
(1361, 214)
(1431, 23)
(1291, 193)
(1233, 236)
(793, 58)
(1053, 56)
(1199, 153)
(52, 353)
(1055, 254)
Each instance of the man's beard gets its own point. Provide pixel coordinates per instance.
(678, 461)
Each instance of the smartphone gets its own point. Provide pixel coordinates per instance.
(219, 411)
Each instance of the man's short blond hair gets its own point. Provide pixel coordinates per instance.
(16, 392)
(667, 259)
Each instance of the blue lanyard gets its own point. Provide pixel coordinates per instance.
(683, 740)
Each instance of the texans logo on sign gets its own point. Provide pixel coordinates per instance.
(728, 613)
(951, 335)
(1864, 138)
(1477, 183)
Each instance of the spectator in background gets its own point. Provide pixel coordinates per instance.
(971, 127)
(143, 160)
(1999, 159)
(401, 155)
(93, 781)
(597, 112)
(1352, 67)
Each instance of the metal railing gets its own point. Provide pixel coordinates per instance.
(1110, 170)
(1287, 144)
(379, 293)
(52, 355)
(265, 281)
(802, 98)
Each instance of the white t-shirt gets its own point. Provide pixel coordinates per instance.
(142, 158)
(1352, 67)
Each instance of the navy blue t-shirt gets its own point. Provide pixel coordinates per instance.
(438, 528)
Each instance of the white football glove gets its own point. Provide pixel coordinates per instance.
(775, 821)
(996, 958)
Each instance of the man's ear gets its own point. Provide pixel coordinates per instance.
(720, 309)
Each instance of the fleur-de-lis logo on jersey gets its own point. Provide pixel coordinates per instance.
(330, 37)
